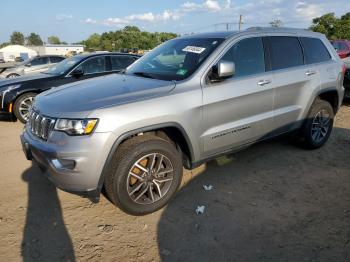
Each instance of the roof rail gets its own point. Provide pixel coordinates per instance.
(275, 28)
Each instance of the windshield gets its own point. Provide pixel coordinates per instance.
(63, 66)
(340, 46)
(176, 59)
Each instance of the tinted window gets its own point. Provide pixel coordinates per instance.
(285, 52)
(39, 61)
(248, 56)
(56, 59)
(94, 65)
(121, 62)
(315, 51)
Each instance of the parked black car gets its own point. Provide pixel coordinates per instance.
(17, 94)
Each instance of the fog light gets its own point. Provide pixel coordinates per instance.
(63, 164)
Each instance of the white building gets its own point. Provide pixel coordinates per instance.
(63, 50)
(10, 52)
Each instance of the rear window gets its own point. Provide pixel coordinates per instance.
(121, 62)
(315, 50)
(56, 59)
(285, 52)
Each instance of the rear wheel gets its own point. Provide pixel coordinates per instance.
(318, 126)
(23, 105)
(12, 75)
(144, 175)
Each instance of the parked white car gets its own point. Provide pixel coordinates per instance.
(32, 66)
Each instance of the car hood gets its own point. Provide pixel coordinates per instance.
(79, 99)
(22, 79)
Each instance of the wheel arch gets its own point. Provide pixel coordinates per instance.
(18, 95)
(174, 131)
(332, 97)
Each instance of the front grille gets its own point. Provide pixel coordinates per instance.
(40, 125)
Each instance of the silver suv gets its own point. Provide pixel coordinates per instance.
(187, 101)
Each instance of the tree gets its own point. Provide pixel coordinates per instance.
(129, 37)
(93, 42)
(276, 23)
(34, 39)
(53, 40)
(17, 38)
(4, 44)
(332, 27)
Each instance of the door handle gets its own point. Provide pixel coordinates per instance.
(264, 82)
(310, 72)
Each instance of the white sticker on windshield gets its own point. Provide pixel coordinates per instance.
(193, 49)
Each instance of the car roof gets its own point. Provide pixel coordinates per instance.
(252, 30)
(104, 53)
(49, 56)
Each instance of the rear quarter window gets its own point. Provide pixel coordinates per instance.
(285, 52)
(315, 51)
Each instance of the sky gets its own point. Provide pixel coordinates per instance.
(74, 20)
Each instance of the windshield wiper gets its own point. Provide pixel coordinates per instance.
(143, 74)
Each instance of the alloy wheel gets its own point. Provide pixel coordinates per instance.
(150, 178)
(320, 126)
(24, 107)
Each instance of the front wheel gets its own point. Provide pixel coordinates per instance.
(318, 126)
(22, 106)
(145, 173)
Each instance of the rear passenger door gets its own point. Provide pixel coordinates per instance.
(294, 81)
(318, 57)
(239, 110)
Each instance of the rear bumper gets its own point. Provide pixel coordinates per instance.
(73, 164)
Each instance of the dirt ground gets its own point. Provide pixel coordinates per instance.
(271, 202)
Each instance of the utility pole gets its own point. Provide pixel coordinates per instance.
(226, 26)
(240, 22)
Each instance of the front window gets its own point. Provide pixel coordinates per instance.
(248, 56)
(176, 59)
(93, 65)
(63, 66)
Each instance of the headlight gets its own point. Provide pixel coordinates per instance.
(76, 127)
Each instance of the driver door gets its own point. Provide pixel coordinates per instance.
(239, 110)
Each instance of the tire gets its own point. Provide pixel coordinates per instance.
(22, 106)
(312, 137)
(120, 185)
(12, 75)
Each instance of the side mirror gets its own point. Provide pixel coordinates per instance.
(77, 72)
(28, 65)
(223, 70)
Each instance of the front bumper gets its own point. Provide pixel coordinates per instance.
(73, 163)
